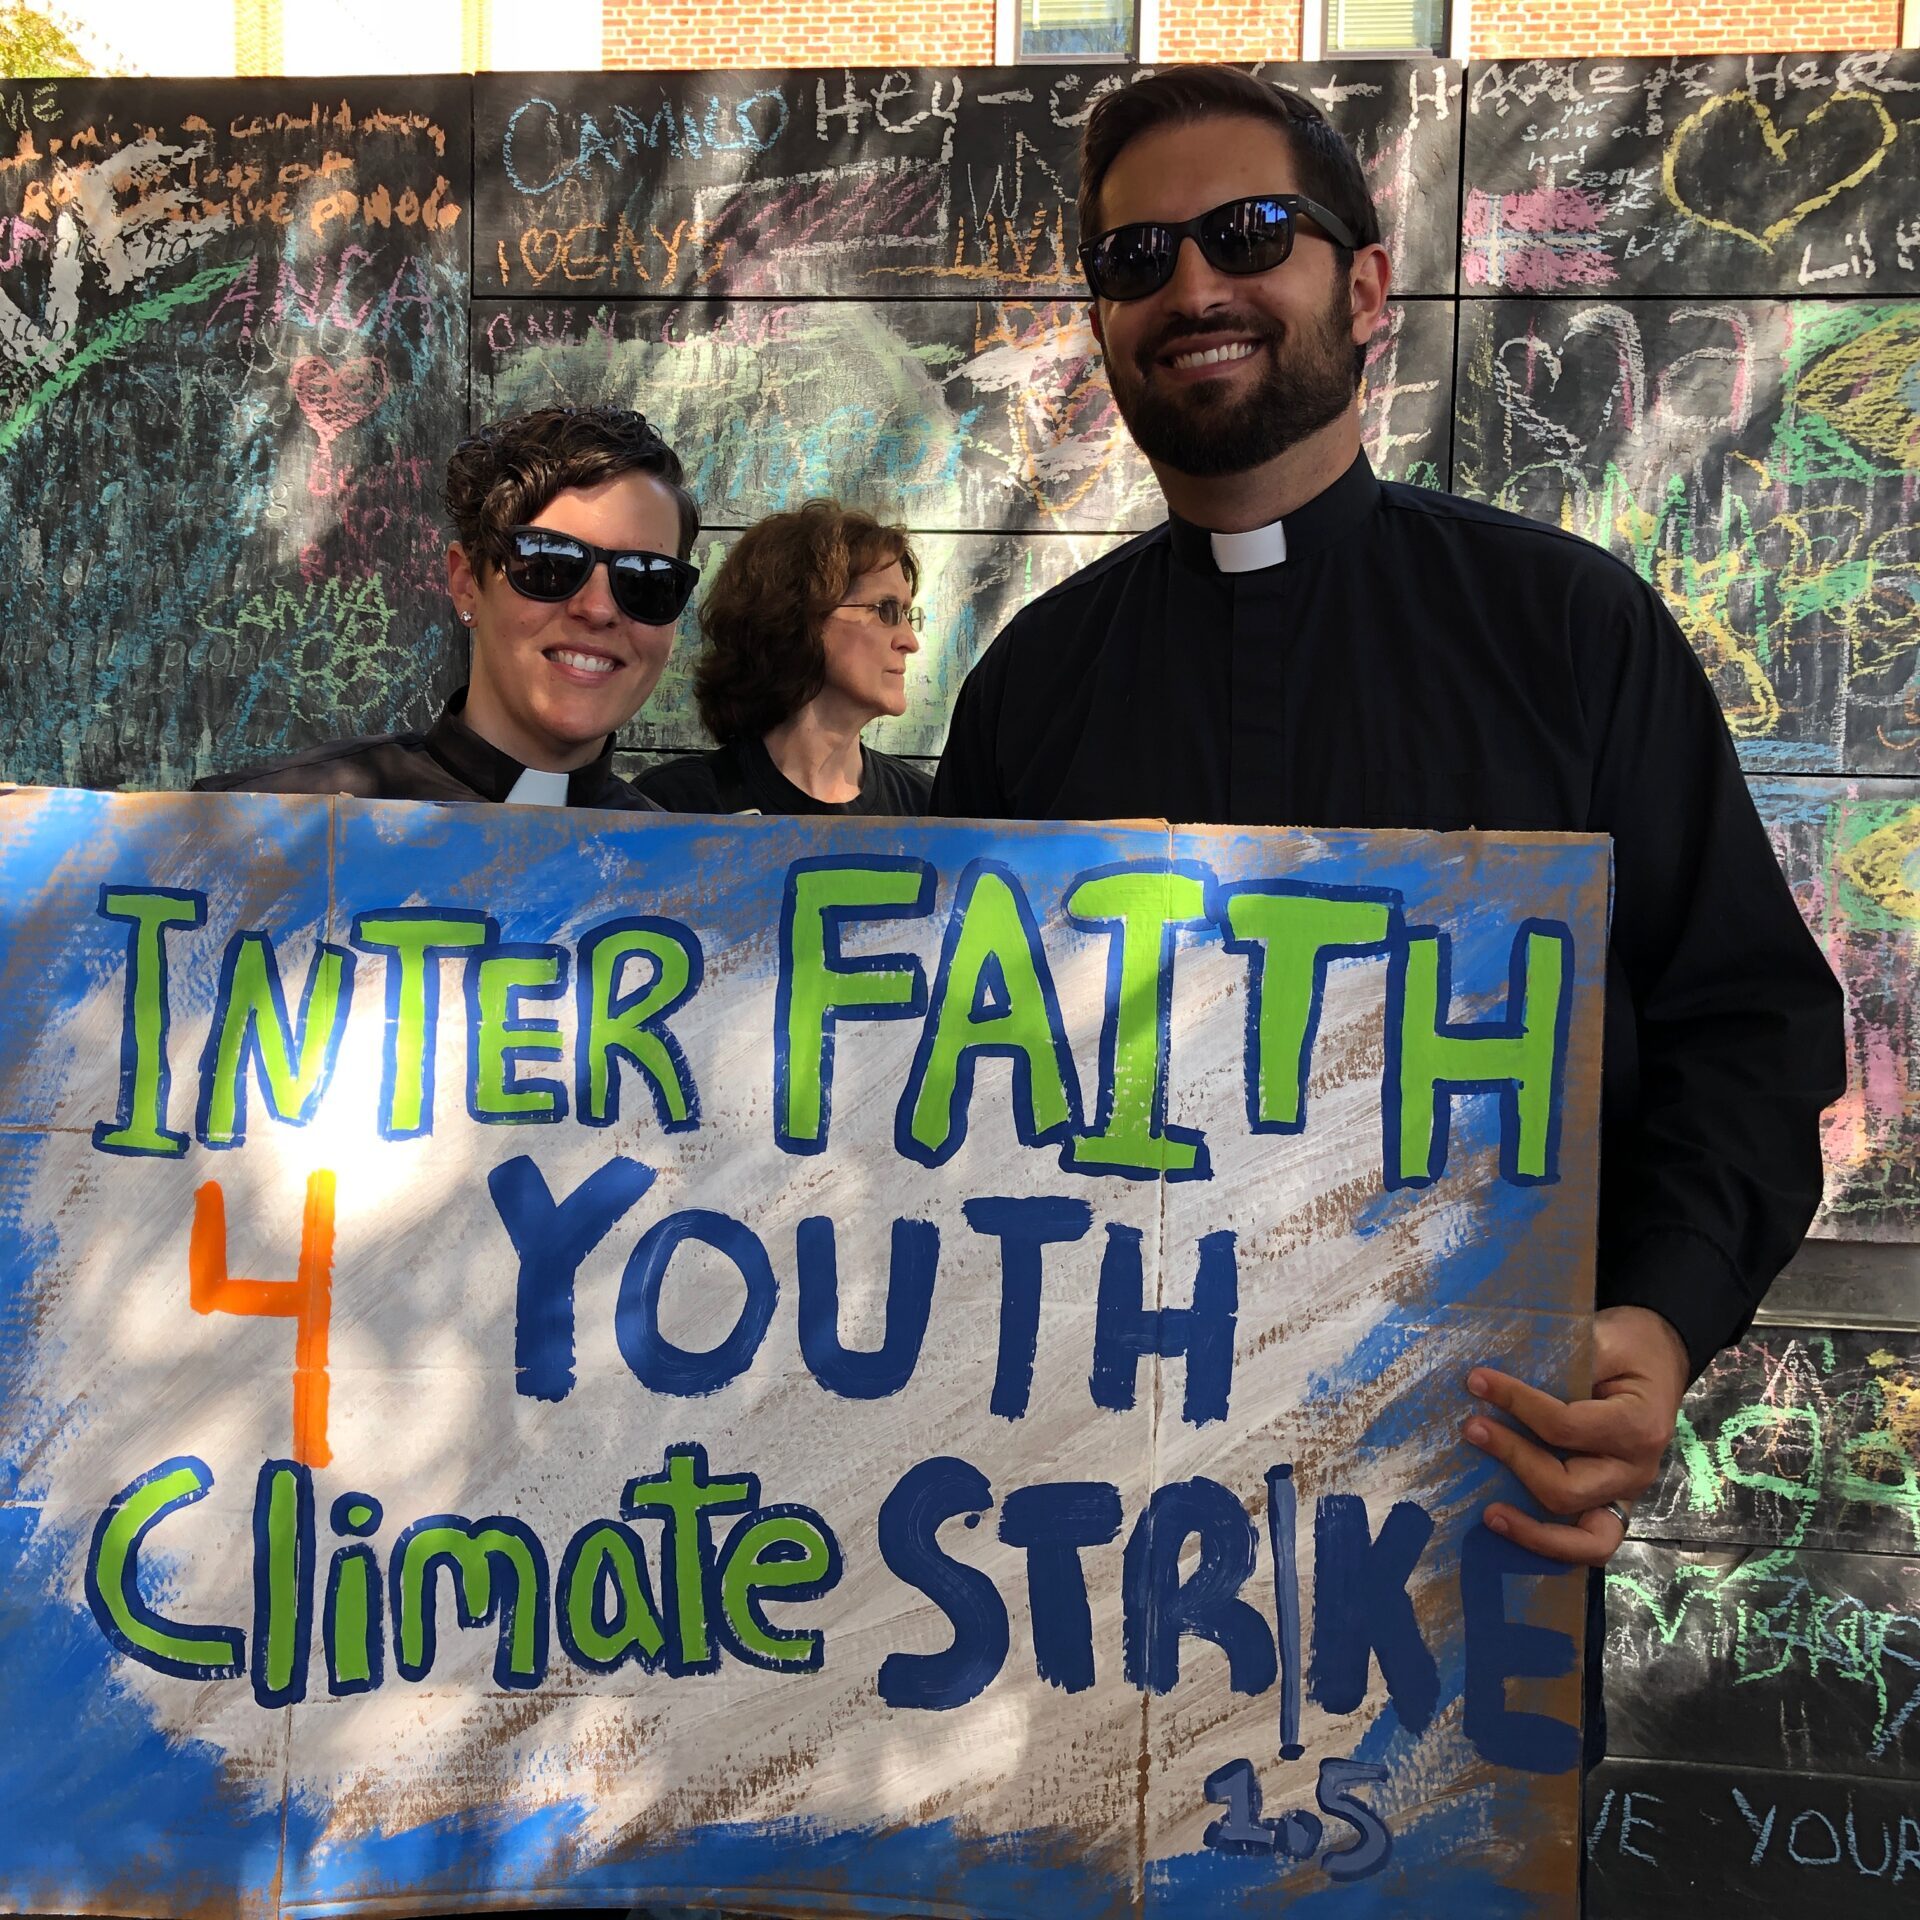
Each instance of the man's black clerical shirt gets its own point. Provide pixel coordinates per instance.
(1419, 660)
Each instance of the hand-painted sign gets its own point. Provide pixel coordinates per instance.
(893, 1368)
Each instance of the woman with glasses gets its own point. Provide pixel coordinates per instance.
(568, 569)
(810, 628)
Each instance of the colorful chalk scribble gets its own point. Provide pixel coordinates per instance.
(1851, 851)
(231, 364)
(1759, 462)
(1539, 240)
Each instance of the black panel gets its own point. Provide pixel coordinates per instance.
(1756, 462)
(232, 363)
(1797, 1437)
(1669, 1842)
(1765, 1656)
(875, 182)
(1846, 847)
(1742, 174)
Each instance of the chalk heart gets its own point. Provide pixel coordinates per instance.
(336, 397)
(1734, 145)
(540, 251)
(1572, 387)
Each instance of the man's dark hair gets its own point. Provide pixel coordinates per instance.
(1328, 170)
(501, 475)
(762, 616)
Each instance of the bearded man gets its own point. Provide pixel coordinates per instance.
(1301, 645)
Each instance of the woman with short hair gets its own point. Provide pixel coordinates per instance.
(810, 628)
(569, 570)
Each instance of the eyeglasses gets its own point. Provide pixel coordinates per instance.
(892, 612)
(1241, 236)
(652, 588)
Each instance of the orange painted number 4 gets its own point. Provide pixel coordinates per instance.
(306, 1300)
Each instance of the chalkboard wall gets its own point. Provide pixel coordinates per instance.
(1671, 304)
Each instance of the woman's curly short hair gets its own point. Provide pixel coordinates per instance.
(501, 475)
(763, 615)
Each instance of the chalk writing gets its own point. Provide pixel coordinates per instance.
(1658, 1835)
(869, 181)
(1793, 1492)
(1741, 174)
(1754, 462)
(255, 299)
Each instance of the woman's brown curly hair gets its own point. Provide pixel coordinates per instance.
(762, 617)
(503, 474)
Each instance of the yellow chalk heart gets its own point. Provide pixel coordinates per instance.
(1777, 145)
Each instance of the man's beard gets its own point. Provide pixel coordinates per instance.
(1203, 432)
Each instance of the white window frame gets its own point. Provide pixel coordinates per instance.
(1006, 36)
(1313, 35)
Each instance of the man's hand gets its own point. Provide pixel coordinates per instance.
(1585, 1453)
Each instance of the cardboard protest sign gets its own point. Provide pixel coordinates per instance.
(873, 1367)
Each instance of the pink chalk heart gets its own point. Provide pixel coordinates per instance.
(335, 398)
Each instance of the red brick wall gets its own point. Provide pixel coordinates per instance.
(1519, 29)
(940, 33)
(797, 33)
(1230, 30)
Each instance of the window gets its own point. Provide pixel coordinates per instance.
(1386, 26)
(1076, 29)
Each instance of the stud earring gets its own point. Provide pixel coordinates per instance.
(466, 616)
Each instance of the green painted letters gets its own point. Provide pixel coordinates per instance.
(253, 1001)
(607, 1549)
(1293, 931)
(415, 942)
(144, 1076)
(499, 1037)
(993, 933)
(686, 1497)
(747, 1573)
(472, 1551)
(1143, 906)
(814, 987)
(113, 1589)
(1528, 1058)
(625, 1031)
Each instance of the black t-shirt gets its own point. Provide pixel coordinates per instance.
(741, 778)
(1418, 660)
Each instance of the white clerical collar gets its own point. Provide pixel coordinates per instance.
(1248, 552)
(537, 789)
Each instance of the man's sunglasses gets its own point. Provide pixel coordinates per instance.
(1242, 236)
(652, 588)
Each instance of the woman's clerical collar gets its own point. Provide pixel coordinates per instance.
(537, 788)
(493, 775)
(1248, 552)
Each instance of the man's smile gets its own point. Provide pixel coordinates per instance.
(1206, 356)
(1213, 356)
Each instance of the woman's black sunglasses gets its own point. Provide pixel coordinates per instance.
(653, 588)
(1242, 236)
